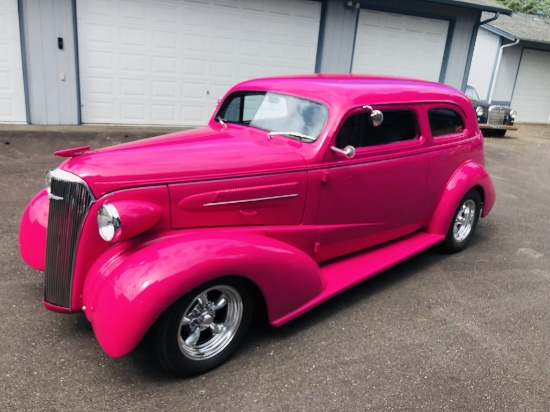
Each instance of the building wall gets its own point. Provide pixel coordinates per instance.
(340, 23)
(50, 75)
(483, 62)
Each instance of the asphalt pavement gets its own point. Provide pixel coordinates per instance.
(464, 332)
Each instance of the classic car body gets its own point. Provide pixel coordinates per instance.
(297, 189)
(493, 119)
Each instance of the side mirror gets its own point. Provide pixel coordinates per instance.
(376, 118)
(348, 151)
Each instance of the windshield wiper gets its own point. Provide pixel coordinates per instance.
(220, 120)
(300, 136)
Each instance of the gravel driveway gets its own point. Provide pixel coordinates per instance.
(463, 332)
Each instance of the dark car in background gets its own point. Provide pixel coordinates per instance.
(493, 120)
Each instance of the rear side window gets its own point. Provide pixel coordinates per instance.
(357, 130)
(445, 122)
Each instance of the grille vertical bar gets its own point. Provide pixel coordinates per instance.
(496, 115)
(70, 200)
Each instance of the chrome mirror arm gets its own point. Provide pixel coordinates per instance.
(348, 151)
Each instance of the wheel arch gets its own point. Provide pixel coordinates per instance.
(127, 291)
(470, 175)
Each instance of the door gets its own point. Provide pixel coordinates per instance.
(169, 62)
(51, 61)
(377, 195)
(12, 93)
(394, 44)
(532, 91)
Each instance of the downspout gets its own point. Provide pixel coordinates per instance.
(495, 78)
(472, 45)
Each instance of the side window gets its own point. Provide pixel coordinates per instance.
(243, 108)
(357, 130)
(445, 122)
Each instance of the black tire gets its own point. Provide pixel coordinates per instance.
(464, 222)
(204, 328)
(499, 133)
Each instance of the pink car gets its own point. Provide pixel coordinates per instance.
(298, 188)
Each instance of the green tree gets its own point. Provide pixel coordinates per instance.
(537, 7)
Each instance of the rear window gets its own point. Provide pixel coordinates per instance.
(444, 122)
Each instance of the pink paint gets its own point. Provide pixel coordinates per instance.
(296, 219)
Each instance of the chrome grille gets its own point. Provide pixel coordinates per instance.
(70, 199)
(496, 115)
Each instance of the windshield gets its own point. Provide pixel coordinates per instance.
(276, 113)
(471, 93)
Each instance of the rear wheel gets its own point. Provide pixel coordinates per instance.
(464, 222)
(203, 328)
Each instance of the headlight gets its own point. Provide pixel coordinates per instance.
(108, 222)
(513, 114)
(479, 111)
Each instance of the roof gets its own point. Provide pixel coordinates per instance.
(343, 90)
(526, 27)
(483, 5)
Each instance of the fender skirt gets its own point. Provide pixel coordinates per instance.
(469, 175)
(131, 285)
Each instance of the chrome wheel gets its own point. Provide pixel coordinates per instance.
(204, 328)
(464, 220)
(210, 322)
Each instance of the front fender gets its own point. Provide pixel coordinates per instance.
(468, 176)
(33, 231)
(130, 286)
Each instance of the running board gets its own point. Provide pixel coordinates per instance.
(342, 274)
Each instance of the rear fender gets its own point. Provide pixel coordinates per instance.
(130, 286)
(468, 176)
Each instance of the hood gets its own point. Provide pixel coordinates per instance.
(200, 154)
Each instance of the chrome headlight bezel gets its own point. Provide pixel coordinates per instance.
(513, 114)
(108, 222)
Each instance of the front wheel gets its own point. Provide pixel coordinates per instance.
(464, 222)
(203, 328)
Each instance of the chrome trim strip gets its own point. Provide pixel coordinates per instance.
(72, 178)
(259, 199)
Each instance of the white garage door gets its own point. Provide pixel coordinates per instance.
(12, 94)
(532, 91)
(167, 62)
(399, 45)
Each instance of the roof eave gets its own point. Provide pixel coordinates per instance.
(480, 7)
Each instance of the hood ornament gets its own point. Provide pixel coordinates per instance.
(74, 151)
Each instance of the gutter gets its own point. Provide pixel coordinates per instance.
(497, 69)
(496, 16)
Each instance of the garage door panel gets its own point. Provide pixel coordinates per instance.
(12, 92)
(531, 97)
(211, 43)
(399, 45)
